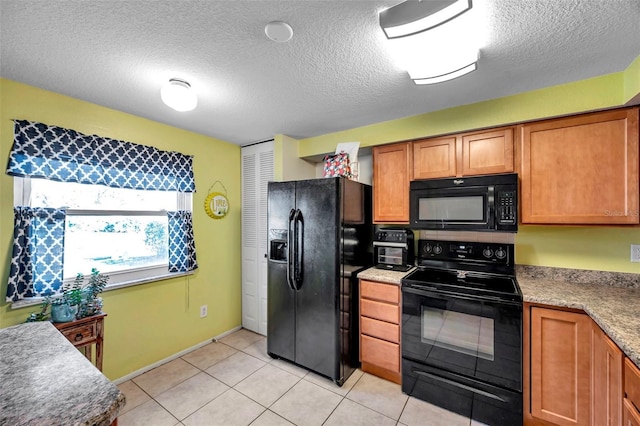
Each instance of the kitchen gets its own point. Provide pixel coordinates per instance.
(153, 332)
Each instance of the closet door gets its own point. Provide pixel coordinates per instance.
(257, 170)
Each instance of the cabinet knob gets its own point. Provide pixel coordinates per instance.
(78, 337)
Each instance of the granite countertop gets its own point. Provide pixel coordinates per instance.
(383, 275)
(615, 309)
(45, 380)
(612, 300)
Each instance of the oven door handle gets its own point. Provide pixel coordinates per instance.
(434, 292)
(459, 385)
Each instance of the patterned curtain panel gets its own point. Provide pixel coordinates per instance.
(182, 248)
(37, 259)
(51, 152)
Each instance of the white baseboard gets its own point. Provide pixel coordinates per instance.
(172, 357)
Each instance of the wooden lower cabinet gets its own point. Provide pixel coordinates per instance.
(606, 379)
(574, 372)
(631, 409)
(559, 386)
(380, 329)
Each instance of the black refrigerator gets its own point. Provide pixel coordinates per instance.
(320, 237)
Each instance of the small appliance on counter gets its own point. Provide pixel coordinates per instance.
(393, 249)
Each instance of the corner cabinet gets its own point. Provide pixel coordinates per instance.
(391, 177)
(380, 329)
(557, 388)
(573, 371)
(581, 170)
(465, 154)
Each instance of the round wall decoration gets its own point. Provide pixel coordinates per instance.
(216, 204)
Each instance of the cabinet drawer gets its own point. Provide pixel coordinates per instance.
(380, 329)
(379, 310)
(632, 382)
(380, 353)
(78, 335)
(379, 291)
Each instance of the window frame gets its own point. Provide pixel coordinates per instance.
(22, 188)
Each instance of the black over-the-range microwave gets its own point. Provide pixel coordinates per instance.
(475, 203)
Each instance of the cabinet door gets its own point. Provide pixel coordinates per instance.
(631, 416)
(434, 158)
(581, 170)
(560, 366)
(487, 152)
(391, 176)
(606, 379)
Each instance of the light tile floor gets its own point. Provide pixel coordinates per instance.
(234, 382)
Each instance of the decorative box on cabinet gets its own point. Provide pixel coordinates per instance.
(380, 329)
(581, 170)
(391, 177)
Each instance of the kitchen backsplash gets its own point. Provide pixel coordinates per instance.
(475, 237)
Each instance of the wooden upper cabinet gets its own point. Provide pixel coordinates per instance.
(434, 158)
(487, 152)
(581, 170)
(467, 154)
(560, 385)
(391, 177)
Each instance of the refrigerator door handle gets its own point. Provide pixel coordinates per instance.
(299, 248)
(290, 244)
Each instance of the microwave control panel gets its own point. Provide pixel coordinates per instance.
(507, 207)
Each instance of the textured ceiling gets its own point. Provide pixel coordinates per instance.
(335, 74)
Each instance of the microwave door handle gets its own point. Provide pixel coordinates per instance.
(290, 250)
(298, 249)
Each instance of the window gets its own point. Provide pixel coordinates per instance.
(86, 201)
(121, 232)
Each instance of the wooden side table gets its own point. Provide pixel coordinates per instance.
(83, 333)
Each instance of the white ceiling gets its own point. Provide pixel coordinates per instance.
(335, 74)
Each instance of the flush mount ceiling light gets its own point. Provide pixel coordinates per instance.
(278, 31)
(179, 95)
(412, 17)
(445, 77)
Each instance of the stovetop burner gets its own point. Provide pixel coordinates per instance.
(467, 268)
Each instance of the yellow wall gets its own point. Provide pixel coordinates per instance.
(148, 322)
(597, 248)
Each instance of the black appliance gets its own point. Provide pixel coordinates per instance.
(477, 203)
(320, 233)
(393, 249)
(462, 330)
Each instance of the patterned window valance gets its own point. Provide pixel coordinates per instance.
(43, 151)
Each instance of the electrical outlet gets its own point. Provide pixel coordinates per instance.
(203, 311)
(635, 252)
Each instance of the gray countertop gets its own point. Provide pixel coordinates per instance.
(615, 308)
(45, 380)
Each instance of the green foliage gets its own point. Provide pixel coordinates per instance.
(155, 236)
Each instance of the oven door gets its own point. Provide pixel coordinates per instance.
(472, 336)
(471, 399)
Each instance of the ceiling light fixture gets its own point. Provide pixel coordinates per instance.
(413, 17)
(446, 77)
(278, 31)
(179, 95)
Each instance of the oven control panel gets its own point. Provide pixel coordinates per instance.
(466, 251)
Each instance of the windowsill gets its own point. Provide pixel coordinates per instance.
(170, 275)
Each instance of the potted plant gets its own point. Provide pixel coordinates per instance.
(65, 308)
(91, 304)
